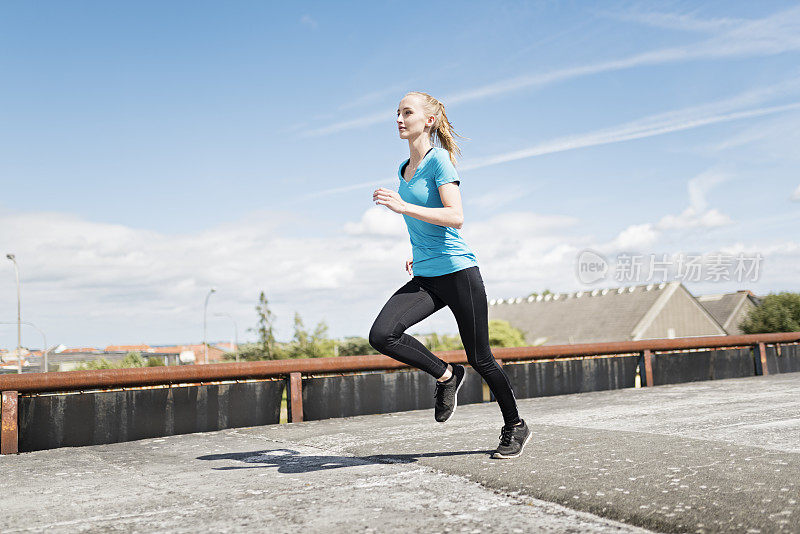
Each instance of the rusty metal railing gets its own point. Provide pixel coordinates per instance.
(292, 370)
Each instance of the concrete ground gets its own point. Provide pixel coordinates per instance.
(715, 456)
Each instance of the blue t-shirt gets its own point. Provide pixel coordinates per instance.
(437, 249)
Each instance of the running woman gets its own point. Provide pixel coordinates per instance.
(443, 268)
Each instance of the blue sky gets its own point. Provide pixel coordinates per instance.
(151, 150)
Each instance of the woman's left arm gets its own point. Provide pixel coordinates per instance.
(451, 214)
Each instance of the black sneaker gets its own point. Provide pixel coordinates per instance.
(512, 441)
(447, 393)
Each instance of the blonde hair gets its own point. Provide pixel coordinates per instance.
(442, 132)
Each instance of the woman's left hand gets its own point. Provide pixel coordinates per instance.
(390, 199)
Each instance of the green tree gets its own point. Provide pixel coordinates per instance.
(133, 359)
(251, 352)
(307, 344)
(267, 347)
(100, 363)
(436, 342)
(355, 346)
(777, 313)
(155, 362)
(301, 336)
(502, 334)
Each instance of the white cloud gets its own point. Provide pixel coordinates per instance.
(690, 218)
(88, 282)
(635, 237)
(520, 246)
(677, 21)
(769, 248)
(643, 236)
(697, 214)
(700, 185)
(93, 283)
(796, 194)
(378, 221)
(522, 252)
(516, 226)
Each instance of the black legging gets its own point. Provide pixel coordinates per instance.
(464, 293)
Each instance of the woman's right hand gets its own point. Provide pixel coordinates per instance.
(409, 262)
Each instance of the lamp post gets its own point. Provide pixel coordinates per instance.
(13, 259)
(45, 349)
(205, 342)
(235, 340)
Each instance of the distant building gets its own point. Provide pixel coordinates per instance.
(730, 309)
(192, 353)
(652, 311)
(130, 348)
(227, 347)
(69, 361)
(80, 349)
(11, 358)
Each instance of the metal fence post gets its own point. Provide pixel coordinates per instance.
(761, 359)
(647, 356)
(9, 437)
(295, 397)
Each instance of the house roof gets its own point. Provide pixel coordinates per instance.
(725, 307)
(598, 315)
(128, 348)
(177, 349)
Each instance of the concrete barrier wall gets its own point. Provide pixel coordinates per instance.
(69, 420)
(675, 368)
(787, 360)
(545, 378)
(49, 421)
(379, 392)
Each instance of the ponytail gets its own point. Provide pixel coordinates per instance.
(442, 132)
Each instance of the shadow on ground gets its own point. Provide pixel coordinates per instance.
(291, 461)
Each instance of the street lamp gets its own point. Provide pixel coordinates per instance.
(235, 341)
(205, 309)
(19, 314)
(45, 349)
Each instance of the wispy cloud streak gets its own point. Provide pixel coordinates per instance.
(776, 34)
(676, 21)
(726, 110)
(626, 132)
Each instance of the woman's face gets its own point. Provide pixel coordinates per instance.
(411, 120)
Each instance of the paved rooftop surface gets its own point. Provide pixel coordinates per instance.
(715, 456)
